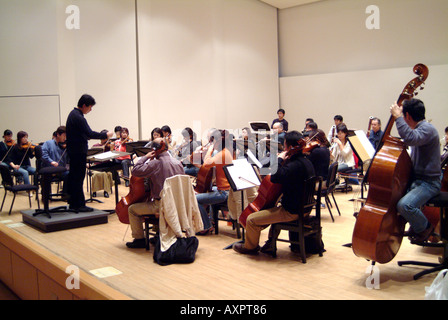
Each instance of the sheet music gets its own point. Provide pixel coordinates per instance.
(243, 174)
(365, 143)
(253, 158)
(107, 155)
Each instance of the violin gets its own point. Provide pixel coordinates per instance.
(10, 143)
(28, 145)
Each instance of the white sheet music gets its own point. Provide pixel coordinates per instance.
(243, 174)
(104, 155)
(365, 143)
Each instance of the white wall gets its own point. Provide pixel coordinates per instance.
(207, 63)
(200, 63)
(330, 63)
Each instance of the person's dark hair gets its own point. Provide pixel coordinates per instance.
(312, 125)
(86, 100)
(117, 128)
(338, 117)
(7, 132)
(60, 130)
(415, 108)
(166, 129)
(125, 130)
(188, 132)
(20, 135)
(292, 138)
(342, 127)
(446, 130)
(281, 110)
(158, 130)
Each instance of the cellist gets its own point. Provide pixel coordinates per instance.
(423, 139)
(293, 168)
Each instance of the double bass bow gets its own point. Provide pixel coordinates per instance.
(379, 229)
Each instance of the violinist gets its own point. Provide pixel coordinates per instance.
(54, 154)
(423, 139)
(318, 153)
(20, 155)
(101, 180)
(5, 147)
(293, 169)
(125, 161)
(166, 133)
(185, 149)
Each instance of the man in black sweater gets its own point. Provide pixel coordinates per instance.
(293, 168)
(78, 133)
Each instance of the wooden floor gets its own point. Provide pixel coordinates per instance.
(224, 274)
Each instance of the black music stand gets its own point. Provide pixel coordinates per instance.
(47, 174)
(241, 176)
(92, 152)
(104, 158)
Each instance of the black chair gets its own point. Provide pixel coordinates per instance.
(328, 188)
(305, 225)
(439, 201)
(151, 222)
(223, 207)
(9, 185)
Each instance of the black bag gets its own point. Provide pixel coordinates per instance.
(182, 251)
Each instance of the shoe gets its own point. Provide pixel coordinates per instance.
(106, 195)
(239, 247)
(267, 247)
(94, 194)
(81, 209)
(205, 232)
(136, 244)
(421, 237)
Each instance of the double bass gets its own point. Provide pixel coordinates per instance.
(379, 229)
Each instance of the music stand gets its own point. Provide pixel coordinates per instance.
(241, 176)
(91, 152)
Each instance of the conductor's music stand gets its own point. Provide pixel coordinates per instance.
(91, 152)
(241, 176)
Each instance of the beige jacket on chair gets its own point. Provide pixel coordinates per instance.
(179, 211)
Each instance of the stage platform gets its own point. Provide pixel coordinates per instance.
(64, 220)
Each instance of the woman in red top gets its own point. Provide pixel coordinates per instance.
(120, 145)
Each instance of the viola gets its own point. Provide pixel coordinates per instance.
(378, 230)
(136, 194)
(28, 145)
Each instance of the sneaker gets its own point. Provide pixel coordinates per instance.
(421, 237)
(136, 244)
(106, 195)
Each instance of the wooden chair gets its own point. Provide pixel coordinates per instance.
(9, 185)
(328, 188)
(151, 223)
(305, 225)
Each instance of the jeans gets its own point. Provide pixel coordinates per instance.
(25, 171)
(418, 194)
(209, 198)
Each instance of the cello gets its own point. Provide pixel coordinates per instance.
(137, 191)
(268, 191)
(379, 230)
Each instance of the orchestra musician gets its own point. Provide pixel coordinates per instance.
(218, 155)
(160, 167)
(78, 133)
(185, 149)
(342, 152)
(125, 161)
(293, 168)
(281, 119)
(20, 155)
(444, 155)
(375, 133)
(5, 147)
(320, 154)
(423, 139)
(332, 133)
(54, 154)
(101, 180)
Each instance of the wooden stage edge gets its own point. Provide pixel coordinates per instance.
(34, 273)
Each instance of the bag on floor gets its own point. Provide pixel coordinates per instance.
(181, 251)
(439, 287)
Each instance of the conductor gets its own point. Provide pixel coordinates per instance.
(78, 133)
